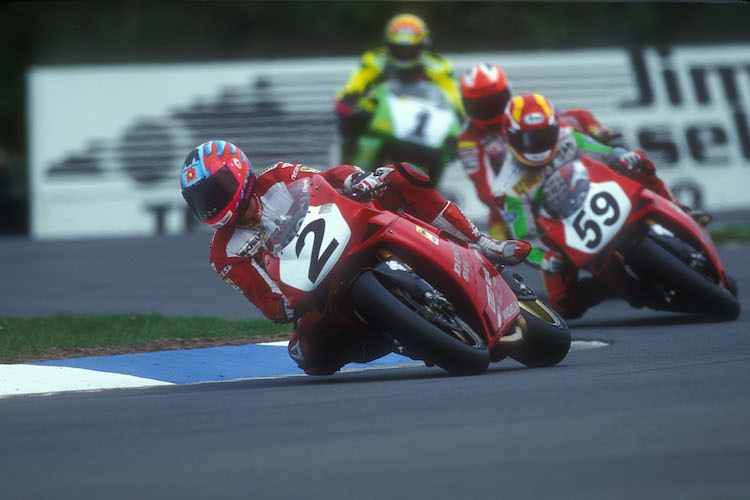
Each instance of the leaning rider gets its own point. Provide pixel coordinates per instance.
(220, 186)
(540, 142)
(486, 91)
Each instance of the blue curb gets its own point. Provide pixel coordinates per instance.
(205, 365)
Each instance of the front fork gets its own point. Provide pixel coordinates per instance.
(509, 343)
(392, 270)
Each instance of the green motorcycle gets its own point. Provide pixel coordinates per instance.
(413, 122)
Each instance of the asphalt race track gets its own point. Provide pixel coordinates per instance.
(662, 412)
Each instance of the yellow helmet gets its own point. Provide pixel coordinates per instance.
(406, 35)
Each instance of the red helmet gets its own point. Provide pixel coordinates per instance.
(485, 92)
(531, 129)
(216, 177)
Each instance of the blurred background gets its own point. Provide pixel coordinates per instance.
(101, 101)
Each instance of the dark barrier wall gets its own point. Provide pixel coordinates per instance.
(70, 33)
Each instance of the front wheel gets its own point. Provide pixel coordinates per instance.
(686, 289)
(546, 341)
(435, 334)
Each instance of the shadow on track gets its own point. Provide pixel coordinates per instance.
(384, 375)
(671, 320)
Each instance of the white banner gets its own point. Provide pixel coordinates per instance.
(107, 142)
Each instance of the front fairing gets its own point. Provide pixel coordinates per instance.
(659, 211)
(461, 273)
(308, 230)
(586, 226)
(336, 238)
(638, 210)
(417, 114)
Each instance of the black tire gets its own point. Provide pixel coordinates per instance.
(547, 338)
(428, 340)
(693, 292)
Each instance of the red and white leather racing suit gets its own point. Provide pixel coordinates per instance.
(322, 345)
(500, 176)
(485, 158)
(482, 152)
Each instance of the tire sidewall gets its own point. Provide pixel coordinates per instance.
(420, 337)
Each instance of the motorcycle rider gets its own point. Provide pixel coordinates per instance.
(540, 142)
(404, 57)
(220, 186)
(485, 91)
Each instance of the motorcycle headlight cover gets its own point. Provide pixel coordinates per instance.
(565, 190)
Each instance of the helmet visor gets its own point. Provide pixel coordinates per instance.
(533, 141)
(487, 107)
(405, 52)
(211, 196)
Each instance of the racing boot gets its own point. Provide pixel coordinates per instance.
(323, 349)
(506, 252)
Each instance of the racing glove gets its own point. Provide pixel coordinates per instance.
(364, 186)
(702, 217)
(506, 252)
(600, 133)
(352, 119)
(552, 262)
(635, 162)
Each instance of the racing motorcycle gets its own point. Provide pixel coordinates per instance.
(413, 122)
(434, 297)
(642, 245)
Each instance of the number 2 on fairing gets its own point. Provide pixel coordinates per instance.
(601, 216)
(317, 247)
(317, 260)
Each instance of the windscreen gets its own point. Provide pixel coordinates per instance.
(565, 190)
(284, 209)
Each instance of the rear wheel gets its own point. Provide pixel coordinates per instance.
(684, 288)
(428, 331)
(546, 341)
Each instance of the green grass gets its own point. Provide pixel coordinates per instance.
(29, 338)
(23, 339)
(730, 232)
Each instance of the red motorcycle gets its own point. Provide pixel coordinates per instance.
(436, 298)
(643, 246)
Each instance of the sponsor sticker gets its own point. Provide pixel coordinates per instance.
(428, 235)
(527, 182)
(534, 118)
(233, 284)
(251, 246)
(490, 298)
(457, 261)
(510, 310)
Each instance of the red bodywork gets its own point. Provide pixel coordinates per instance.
(647, 208)
(470, 282)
